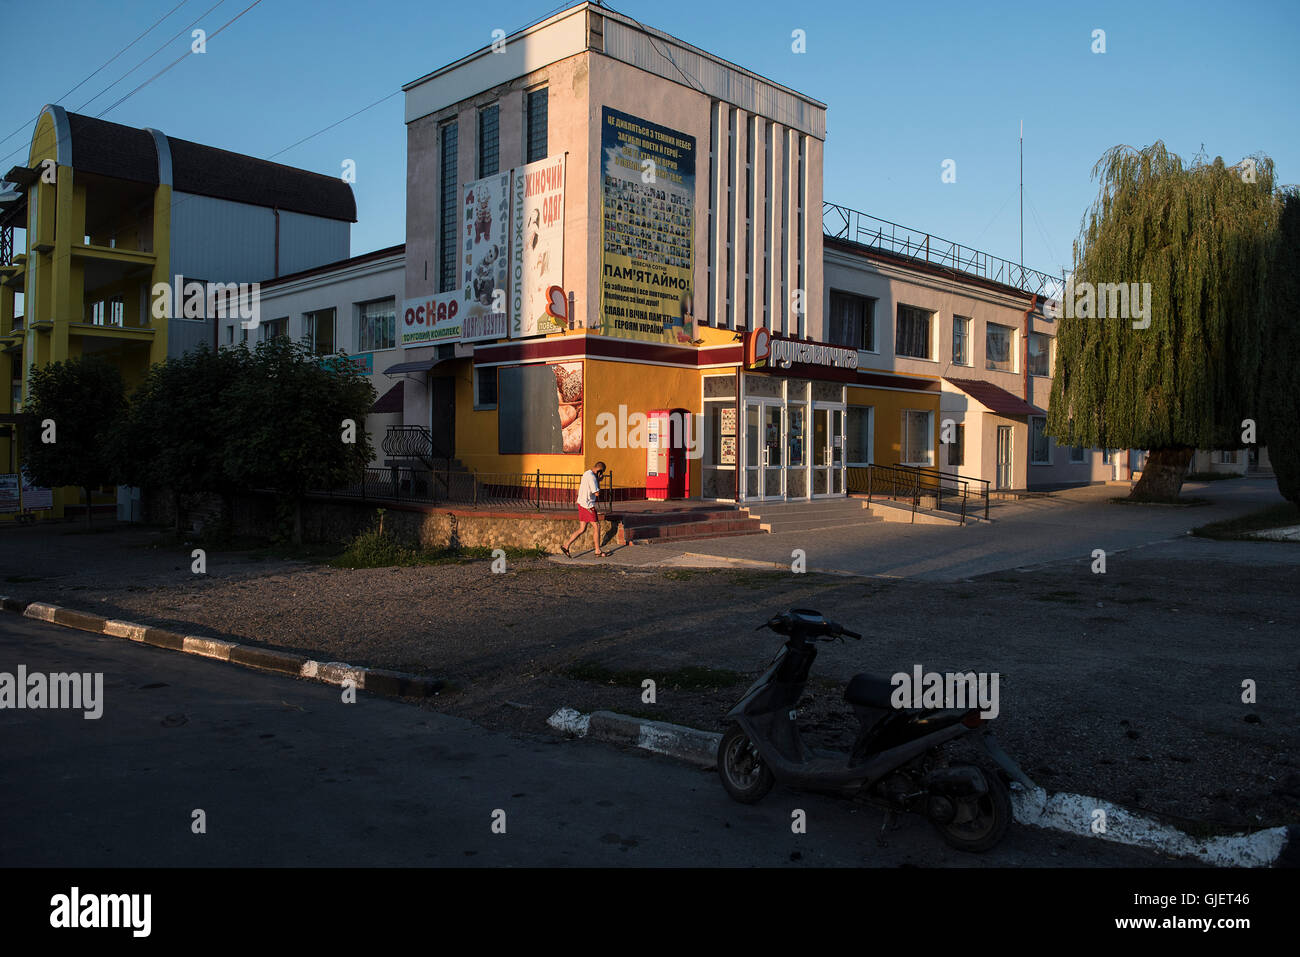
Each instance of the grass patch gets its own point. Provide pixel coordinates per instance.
(1238, 529)
(681, 574)
(376, 549)
(689, 678)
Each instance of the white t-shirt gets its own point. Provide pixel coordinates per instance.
(588, 489)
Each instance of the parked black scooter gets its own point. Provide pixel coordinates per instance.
(896, 761)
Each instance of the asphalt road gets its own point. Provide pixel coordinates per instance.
(288, 774)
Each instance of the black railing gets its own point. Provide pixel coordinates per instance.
(840, 222)
(911, 483)
(408, 442)
(537, 490)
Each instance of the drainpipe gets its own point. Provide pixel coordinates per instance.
(276, 211)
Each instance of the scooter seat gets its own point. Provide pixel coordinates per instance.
(870, 691)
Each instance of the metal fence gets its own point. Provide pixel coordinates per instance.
(536, 490)
(840, 222)
(905, 483)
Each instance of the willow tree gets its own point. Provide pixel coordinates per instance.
(1280, 400)
(1184, 372)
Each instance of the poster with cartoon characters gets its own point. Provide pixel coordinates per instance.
(486, 257)
(538, 247)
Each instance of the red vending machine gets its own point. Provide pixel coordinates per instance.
(667, 474)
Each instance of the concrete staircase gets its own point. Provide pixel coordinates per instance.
(807, 516)
(681, 524)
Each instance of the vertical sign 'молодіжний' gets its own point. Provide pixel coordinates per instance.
(648, 230)
(537, 250)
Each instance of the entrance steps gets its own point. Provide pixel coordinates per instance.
(812, 514)
(681, 524)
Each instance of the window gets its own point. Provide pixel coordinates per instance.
(853, 321)
(960, 341)
(912, 337)
(488, 140)
(97, 313)
(448, 210)
(535, 135)
(318, 330)
(916, 446)
(230, 335)
(857, 435)
(998, 354)
(1040, 354)
(376, 325)
(116, 311)
(485, 387)
(1076, 454)
(1040, 446)
(273, 328)
(1227, 458)
(957, 447)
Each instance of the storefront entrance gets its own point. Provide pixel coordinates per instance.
(828, 450)
(764, 448)
(793, 439)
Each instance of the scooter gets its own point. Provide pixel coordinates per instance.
(895, 763)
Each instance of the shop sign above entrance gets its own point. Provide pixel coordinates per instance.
(781, 355)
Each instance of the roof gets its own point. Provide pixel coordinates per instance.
(124, 152)
(993, 398)
(359, 260)
(390, 401)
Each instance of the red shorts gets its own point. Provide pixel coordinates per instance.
(586, 515)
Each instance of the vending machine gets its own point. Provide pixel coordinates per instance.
(667, 472)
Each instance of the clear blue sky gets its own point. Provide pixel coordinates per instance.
(908, 85)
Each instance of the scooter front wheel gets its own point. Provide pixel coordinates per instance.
(744, 775)
(977, 822)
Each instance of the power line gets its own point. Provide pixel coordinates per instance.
(97, 72)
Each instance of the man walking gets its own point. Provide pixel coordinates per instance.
(588, 490)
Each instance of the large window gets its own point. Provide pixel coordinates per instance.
(912, 337)
(998, 353)
(376, 325)
(857, 435)
(488, 141)
(535, 135)
(1040, 445)
(960, 341)
(853, 321)
(448, 210)
(1040, 354)
(917, 444)
(1076, 454)
(318, 330)
(957, 447)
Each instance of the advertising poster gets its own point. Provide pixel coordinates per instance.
(9, 492)
(36, 498)
(537, 250)
(540, 408)
(648, 230)
(485, 254)
(430, 320)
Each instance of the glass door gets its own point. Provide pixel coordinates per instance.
(1004, 457)
(764, 449)
(828, 451)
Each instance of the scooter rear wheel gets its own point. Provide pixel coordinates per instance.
(981, 820)
(744, 775)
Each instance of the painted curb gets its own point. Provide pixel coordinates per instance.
(377, 680)
(1059, 811)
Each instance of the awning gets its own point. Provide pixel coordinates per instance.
(390, 401)
(993, 398)
(421, 365)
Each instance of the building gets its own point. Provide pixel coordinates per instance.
(120, 225)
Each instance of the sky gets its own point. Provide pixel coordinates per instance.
(908, 86)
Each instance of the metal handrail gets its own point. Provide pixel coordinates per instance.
(537, 489)
(963, 482)
(850, 225)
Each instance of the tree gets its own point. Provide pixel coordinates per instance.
(1279, 411)
(297, 423)
(73, 408)
(171, 436)
(1202, 236)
